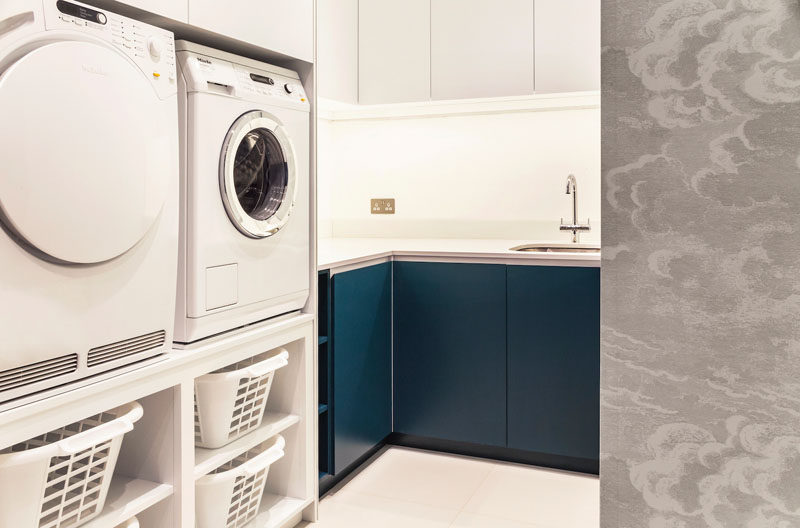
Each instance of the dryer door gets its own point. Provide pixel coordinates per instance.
(82, 150)
(258, 175)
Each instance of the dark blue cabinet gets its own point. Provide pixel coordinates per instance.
(361, 361)
(450, 351)
(554, 360)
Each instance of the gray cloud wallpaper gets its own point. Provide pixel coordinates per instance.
(700, 412)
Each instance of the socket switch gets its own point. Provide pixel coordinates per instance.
(381, 205)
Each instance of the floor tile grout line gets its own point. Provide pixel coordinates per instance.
(495, 466)
(492, 466)
(454, 511)
(477, 488)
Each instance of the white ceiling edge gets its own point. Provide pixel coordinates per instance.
(338, 111)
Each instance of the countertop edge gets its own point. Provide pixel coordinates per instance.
(466, 256)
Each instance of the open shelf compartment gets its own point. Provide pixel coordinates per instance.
(324, 372)
(291, 413)
(143, 478)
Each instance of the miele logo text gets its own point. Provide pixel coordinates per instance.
(96, 70)
(205, 61)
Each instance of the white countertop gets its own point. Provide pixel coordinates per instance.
(340, 252)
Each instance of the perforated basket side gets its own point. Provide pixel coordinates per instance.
(226, 411)
(246, 498)
(231, 401)
(230, 496)
(69, 470)
(251, 401)
(77, 484)
(214, 401)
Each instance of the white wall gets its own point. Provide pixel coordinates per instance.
(325, 178)
(500, 175)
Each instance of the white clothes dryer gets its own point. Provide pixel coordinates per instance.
(88, 194)
(244, 246)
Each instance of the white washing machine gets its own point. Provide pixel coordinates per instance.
(88, 194)
(244, 247)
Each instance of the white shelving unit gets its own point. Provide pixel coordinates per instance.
(128, 497)
(159, 463)
(276, 510)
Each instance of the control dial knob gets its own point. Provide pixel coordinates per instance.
(154, 47)
(290, 88)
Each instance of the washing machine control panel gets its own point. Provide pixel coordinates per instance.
(273, 85)
(151, 48)
(211, 74)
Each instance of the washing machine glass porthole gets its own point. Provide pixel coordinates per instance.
(260, 177)
(257, 175)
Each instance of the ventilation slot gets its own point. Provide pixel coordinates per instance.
(36, 372)
(122, 349)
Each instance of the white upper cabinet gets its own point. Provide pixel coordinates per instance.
(337, 50)
(567, 45)
(393, 51)
(284, 26)
(481, 48)
(174, 9)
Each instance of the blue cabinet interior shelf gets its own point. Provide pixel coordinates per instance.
(324, 375)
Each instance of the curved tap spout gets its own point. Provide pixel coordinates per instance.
(572, 184)
(575, 227)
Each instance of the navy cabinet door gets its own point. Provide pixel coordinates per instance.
(450, 351)
(554, 360)
(362, 364)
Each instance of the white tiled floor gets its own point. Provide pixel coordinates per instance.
(407, 488)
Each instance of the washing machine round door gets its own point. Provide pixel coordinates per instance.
(258, 175)
(82, 151)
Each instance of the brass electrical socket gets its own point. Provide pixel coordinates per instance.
(381, 206)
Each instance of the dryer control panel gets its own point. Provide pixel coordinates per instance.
(151, 48)
(273, 85)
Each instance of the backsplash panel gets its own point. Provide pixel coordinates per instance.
(497, 175)
(700, 391)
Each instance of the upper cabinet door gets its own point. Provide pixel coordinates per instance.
(567, 45)
(337, 50)
(393, 51)
(481, 48)
(174, 9)
(284, 26)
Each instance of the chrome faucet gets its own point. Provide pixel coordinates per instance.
(575, 227)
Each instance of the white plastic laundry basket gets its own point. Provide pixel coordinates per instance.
(230, 402)
(61, 479)
(229, 497)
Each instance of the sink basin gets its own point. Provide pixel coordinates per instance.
(542, 248)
